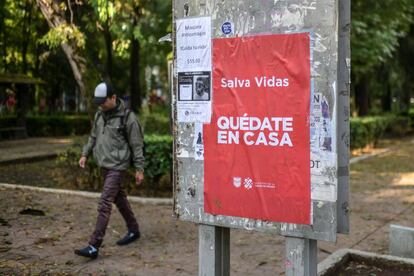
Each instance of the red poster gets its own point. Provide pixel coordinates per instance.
(257, 147)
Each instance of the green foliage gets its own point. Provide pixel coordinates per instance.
(367, 131)
(52, 125)
(381, 73)
(376, 29)
(58, 125)
(400, 125)
(158, 162)
(411, 116)
(88, 179)
(104, 9)
(97, 28)
(158, 159)
(61, 125)
(63, 34)
(21, 25)
(155, 123)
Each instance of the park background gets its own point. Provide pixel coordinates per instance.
(53, 53)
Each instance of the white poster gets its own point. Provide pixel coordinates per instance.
(194, 90)
(194, 44)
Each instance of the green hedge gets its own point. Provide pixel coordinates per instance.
(158, 161)
(158, 154)
(43, 125)
(63, 125)
(155, 123)
(368, 130)
(411, 116)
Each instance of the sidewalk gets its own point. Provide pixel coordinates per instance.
(32, 149)
(382, 192)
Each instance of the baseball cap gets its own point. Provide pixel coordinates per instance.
(102, 91)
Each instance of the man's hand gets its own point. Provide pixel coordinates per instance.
(82, 162)
(139, 176)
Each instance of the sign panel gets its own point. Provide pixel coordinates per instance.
(209, 189)
(256, 148)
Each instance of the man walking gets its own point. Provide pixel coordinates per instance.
(116, 141)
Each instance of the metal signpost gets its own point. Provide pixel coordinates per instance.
(261, 88)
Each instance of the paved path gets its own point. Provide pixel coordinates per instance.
(32, 149)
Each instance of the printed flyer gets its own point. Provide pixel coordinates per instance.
(194, 70)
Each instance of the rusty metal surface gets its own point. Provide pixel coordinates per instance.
(250, 18)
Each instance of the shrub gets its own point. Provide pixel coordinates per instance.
(400, 125)
(368, 130)
(63, 125)
(155, 123)
(411, 116)
(158, 160)
(44, 125)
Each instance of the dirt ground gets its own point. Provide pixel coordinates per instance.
(381, 194)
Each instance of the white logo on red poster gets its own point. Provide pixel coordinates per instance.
(248, 183)
(237, 182)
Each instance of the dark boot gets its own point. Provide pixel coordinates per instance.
(89, 251)
(129, 237)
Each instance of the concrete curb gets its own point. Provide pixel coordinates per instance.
(341, 256)
(366, 156)
(135, 199)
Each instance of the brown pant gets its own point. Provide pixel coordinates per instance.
(113, 192)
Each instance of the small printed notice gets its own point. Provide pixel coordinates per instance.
(198, 142)
(194, 86)
(194, 70)
(323, 176)
(194, 44)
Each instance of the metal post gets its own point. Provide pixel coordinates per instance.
(344, 68)
(301, 257)
(213, 250)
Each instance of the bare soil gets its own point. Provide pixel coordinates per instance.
(361, 268)
(382, 192)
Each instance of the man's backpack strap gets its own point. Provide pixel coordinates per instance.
(123, 126)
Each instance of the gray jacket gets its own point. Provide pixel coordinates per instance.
(107, 140)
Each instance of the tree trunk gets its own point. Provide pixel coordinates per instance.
(386, 99)
(22, 106)
(55, 17)
(4, 36)
(136, 96)
(405, 97)
(362, 96)
(136, 99)
(108, 45)
(23, 91)
(27, 20)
